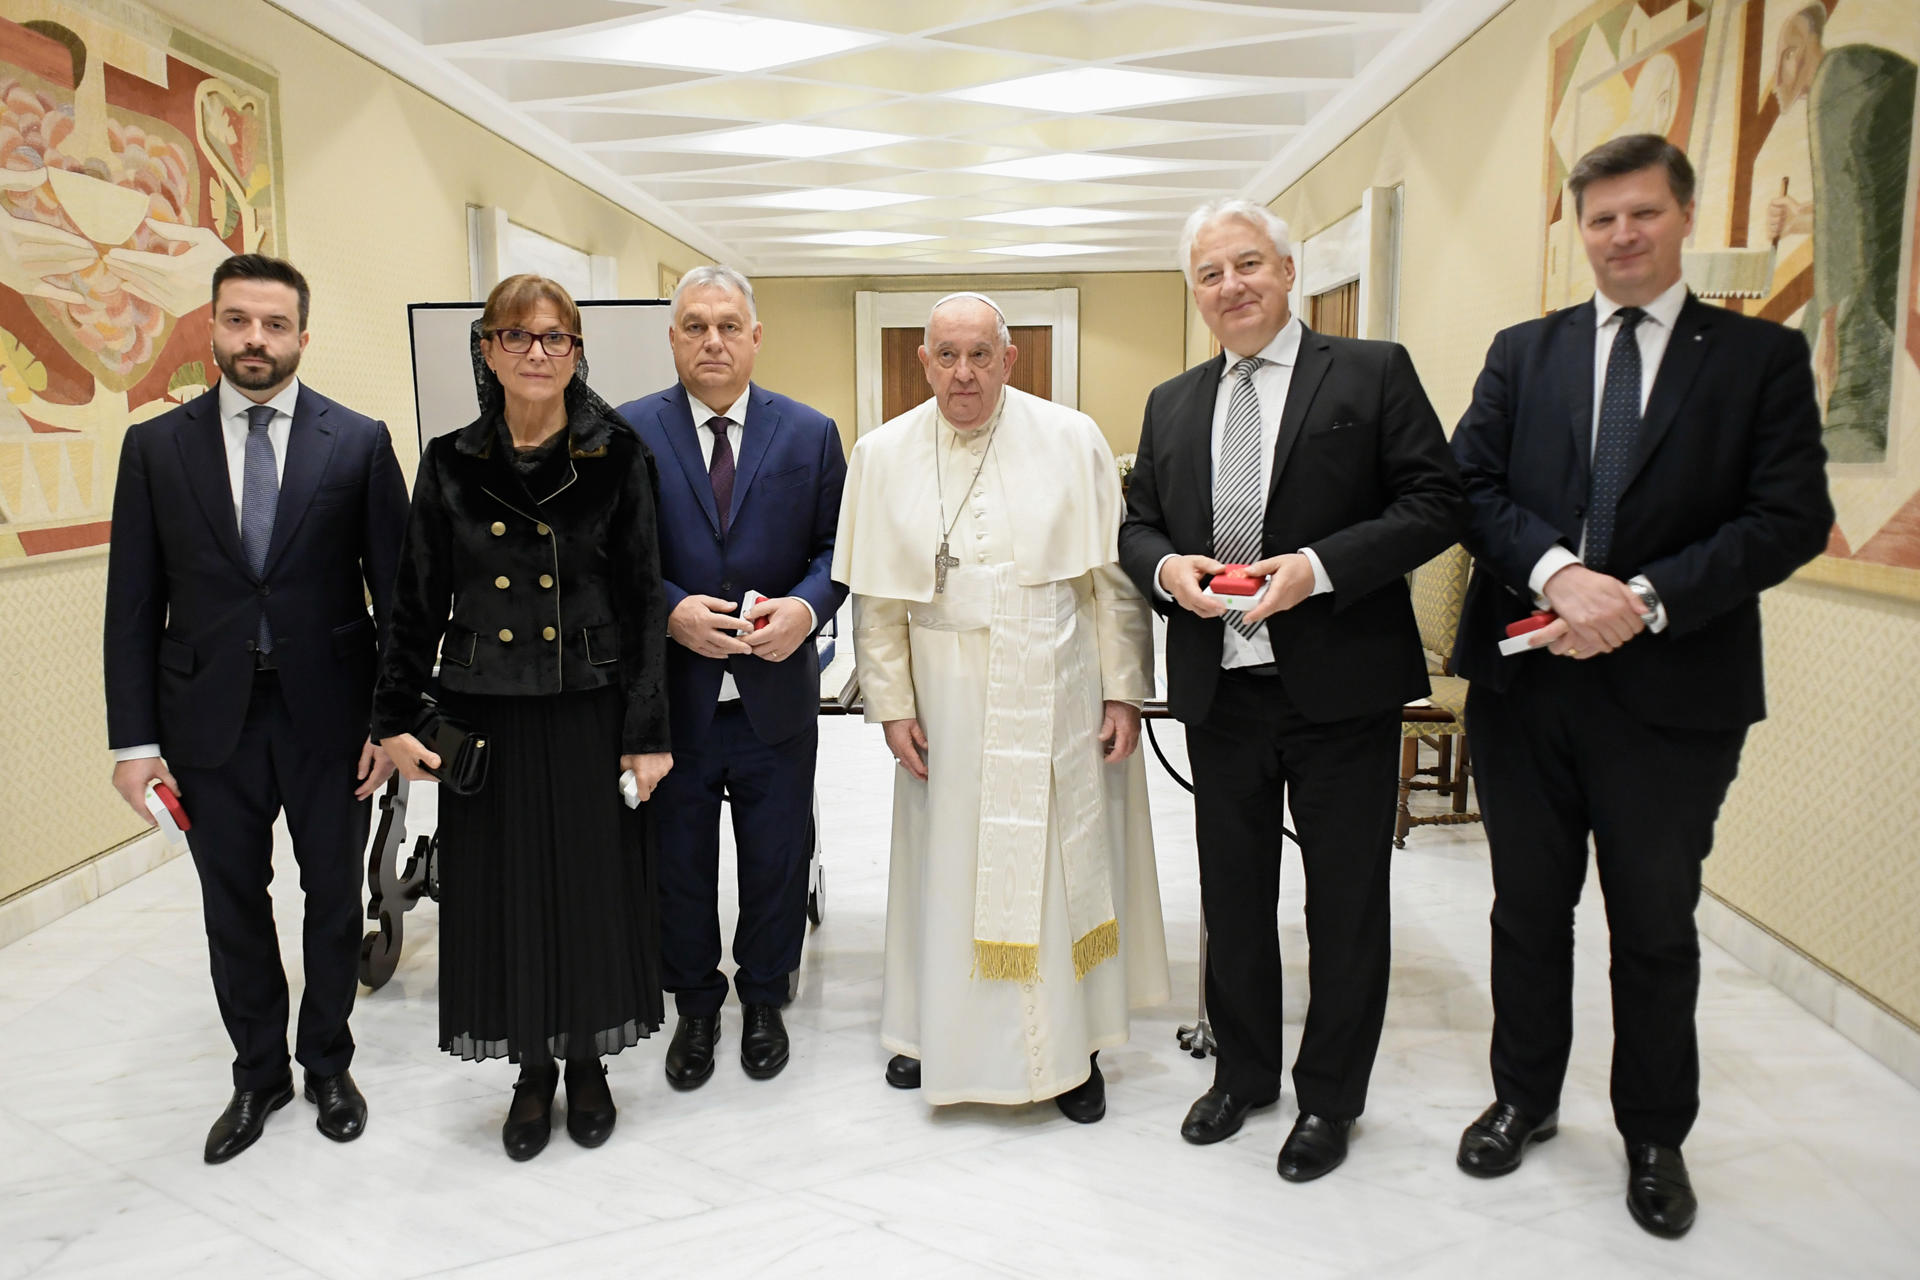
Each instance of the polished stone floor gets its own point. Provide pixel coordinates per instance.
(1806, 1157)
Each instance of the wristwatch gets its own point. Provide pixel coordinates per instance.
(1649, 601)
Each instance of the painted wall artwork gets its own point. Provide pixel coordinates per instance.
(1799, 116)
(133, 158)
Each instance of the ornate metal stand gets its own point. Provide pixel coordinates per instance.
(393, 887)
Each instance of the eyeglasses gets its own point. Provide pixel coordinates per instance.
(518, 342)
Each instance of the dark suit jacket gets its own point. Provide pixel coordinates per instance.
(779, 542)
(183, 608)
(1361, 474)
(1726, 497)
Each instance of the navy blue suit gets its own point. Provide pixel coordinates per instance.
(758, 751)
(183, 610)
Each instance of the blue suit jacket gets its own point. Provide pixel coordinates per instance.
(779, 542)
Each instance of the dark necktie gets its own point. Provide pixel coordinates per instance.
(259, 494)
(720, 469)
(1239, 501)
(1613, 441)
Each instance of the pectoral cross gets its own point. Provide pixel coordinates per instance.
(941, 563)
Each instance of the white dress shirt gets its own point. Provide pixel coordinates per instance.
(736, 416)
(234, 427)
(1652, 334)
(1271, 382)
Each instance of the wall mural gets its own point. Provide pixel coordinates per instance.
(133, 158)
(1799, 116)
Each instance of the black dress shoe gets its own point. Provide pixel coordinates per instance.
(1315, 1148)
(1086, 1102)
(690, 1055)
(1217, 1114)
(903, 1072)
(1493, 1144)
(530, 1118)
(244, 1120)
(590, 1109)
(343, 1110)
(763, 1041)
(1659, 1192)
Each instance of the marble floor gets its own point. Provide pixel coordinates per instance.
(1806, 1157)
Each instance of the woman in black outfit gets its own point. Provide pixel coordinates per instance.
(531, 569)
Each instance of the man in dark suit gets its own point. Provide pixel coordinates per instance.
(1644, 466)
(749, 500)
(1318, 461)
(250, 527)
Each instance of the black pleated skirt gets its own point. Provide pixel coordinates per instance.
(549, 924)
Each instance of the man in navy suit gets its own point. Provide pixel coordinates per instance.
(251, 525)
(749, 499)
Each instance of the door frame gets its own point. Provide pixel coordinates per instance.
(1059, 309)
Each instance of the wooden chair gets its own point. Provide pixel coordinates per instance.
(1439, 593)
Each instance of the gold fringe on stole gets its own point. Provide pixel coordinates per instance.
(1103, 943)
(1006, 961)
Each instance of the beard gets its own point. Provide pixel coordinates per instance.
(276, 372)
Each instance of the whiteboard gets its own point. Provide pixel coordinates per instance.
(627, 357)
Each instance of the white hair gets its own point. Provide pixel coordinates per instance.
(1000, 329)
(1255, 215)
(715, 277)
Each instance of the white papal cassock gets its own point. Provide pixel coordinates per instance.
(1006, 670)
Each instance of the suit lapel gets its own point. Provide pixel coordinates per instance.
(1686, 352)
(309, 449)
(203, 452)
(1574, 357)
(1197, 411)
(676, 420)
(756, 433)
(1309, 368)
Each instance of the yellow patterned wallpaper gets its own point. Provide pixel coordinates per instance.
(1815, 842)
(378, 177)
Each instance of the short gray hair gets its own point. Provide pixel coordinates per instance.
(1257, 215)
(715, 277)
(1000, 329)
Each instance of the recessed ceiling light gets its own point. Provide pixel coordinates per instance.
(1045, 250)
(798, 141)
(1094, 89)
(1056, 216)
(835, 199)
(1070, 167)
(703, 40)
(859, 238)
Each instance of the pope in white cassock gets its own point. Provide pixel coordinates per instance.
(1007, 656)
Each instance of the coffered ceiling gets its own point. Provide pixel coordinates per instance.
(793, 137)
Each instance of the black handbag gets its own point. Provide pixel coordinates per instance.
(462, 750)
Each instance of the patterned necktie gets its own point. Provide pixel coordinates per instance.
(1239, 500)
(1613, 442)
(259, 494)
(720, 469)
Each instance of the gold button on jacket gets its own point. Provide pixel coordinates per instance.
(501, 582)
(506, 636)
(548, 633)
(499, 528)
(546, 580)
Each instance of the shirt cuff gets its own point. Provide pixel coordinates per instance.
(1659, 622)
(814, 624)
(1159, 590)
(1322, 584)
(1551, 561)
(146, 751)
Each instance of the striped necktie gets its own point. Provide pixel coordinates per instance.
(1613, 441)
(1239, 499)
(259, 495)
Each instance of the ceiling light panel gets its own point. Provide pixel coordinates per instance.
(1044, 250)
(837, 199)
(1071, 168)
(709, 40)
(1057, 216)
(1085, 89)
(865, 238)
(794, 141)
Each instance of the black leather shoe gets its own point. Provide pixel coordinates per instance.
(343, 1109)
(244, 1120)
(1659, 1192)
(763, 1041)
(1086, 1102)
(1493, 1145)
(1316, 1147)
(530, 1118)
(590, 1109)
(903, 1072)
(690, 1055)
(1217, 1114)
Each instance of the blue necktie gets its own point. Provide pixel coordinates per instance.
(260, 493)
(1614, 440)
